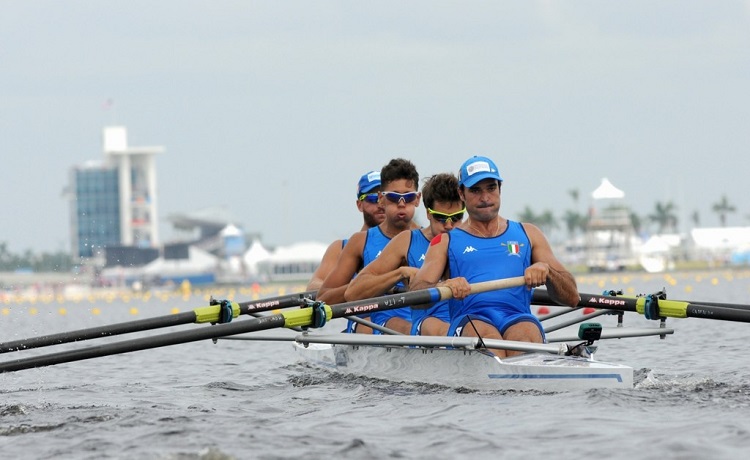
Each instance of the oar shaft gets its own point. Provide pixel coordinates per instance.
(145, 343)
(291, 318)
(272, 303)
(713, 312)
(667, 308)
(542, 298)
(198, 315)
(423, 296)
(97, 332)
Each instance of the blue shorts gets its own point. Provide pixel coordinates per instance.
(440, 311)
(382, 317)
(502, 320)
(351, 326)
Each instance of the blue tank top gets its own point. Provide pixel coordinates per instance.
(415, 258)
(417, 248)
(375, 241)
(374, 244)
(485, 259)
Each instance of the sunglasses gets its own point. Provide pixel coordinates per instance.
(369, 197)
(445, 218)
(395, 197)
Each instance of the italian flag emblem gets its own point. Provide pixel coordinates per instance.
(514, 249)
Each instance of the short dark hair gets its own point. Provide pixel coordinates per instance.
(440, 187)
(396, 169)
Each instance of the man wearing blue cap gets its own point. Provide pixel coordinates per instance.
(400, 198)
(404, 254)
(372, 213)
(488, 246)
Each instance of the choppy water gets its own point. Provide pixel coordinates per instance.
(253, 400)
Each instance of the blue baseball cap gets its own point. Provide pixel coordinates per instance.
(367, 182)
(475, 169)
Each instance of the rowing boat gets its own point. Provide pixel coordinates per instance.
(466, 362)
(459, 363)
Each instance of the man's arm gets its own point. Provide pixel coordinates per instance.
(384, 272)
(327, 263)
(547, 270)
(333, 287)
(435, 268)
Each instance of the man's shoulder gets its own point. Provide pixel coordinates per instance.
(335, 244)
(399, 243)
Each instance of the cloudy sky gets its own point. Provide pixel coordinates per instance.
(270, 110)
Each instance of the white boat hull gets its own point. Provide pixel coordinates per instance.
(468, 368)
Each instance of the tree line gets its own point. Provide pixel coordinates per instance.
(663, 217)
(45, 262)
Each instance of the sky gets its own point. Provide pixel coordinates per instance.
(271, 110)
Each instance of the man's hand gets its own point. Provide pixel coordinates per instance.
(536, 275)
(458, 286)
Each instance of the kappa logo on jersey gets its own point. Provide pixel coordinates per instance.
(470, 249)
(378, 255)
(514, 248)
(421, 258)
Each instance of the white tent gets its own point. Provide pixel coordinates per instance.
(607, 191)
(721, 238)
(299, 252)
(257, 253)
(230, 230)
(655, 255)
(198, 262)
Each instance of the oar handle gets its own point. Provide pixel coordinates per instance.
(485, 286)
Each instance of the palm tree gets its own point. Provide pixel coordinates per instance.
(696, 218)
(722, 208)
(574, 194)
(637, 222)
(546, 220)
(527, 215)
(574, 221)
(664, 216)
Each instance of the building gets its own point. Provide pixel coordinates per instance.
(609, 232)
(297, 262)
(114, 200)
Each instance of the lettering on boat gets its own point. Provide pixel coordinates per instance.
(607, 301)
(390, 302)
(361, 308)
(266, 304)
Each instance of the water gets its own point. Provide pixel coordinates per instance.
(254, 400)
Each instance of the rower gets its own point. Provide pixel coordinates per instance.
(372, 213)
(399, 198)
(488, 246)
(404, 254)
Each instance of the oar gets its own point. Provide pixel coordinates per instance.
(543, 299)
(288, 319)
(666, 308)
(208, 314)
